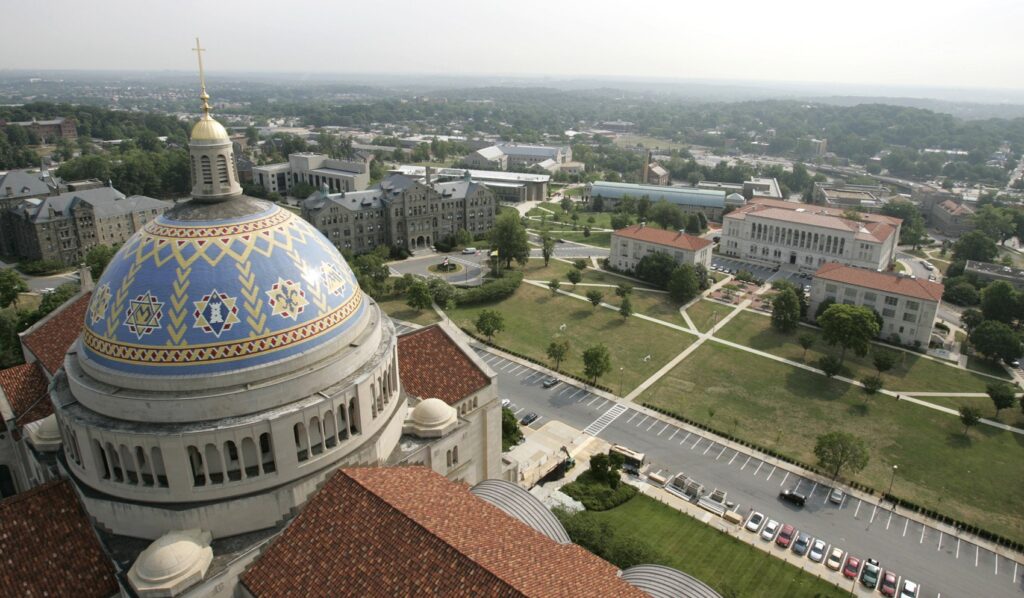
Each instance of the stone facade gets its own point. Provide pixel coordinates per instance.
(317, 170)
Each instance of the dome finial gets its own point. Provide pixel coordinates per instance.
(202, 80)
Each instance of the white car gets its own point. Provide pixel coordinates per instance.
(506, 402)
(910, 589)
(754, 522)
(836, 496)
(469, 251)
(770, 529)
(817, 551)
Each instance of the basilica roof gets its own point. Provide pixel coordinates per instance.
(214, 288)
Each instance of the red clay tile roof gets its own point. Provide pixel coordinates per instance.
(870, 227)
(888, 282)
(431, 365)
(48, 547)
(955, 209)
(50, 341)
(25, 388)
(668, 238)
(408, 531)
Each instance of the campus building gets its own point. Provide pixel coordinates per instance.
(316, 170)
(632, 243)
(990, 272)
(65, 227)
(908, 305)
(49, 130)
(401, 212)
(710, 202)
(508, 187)
(805, 237)
(509, 156)
(847, 196)
(952, 218)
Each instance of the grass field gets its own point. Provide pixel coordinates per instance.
(719, 560)
(774, 405)
(533, 317)
(648, 142)
(987, 367)
(396, 308)
(706, 313)
(912, 372)
(596, 239)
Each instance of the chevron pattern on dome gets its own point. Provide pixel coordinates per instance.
(215, 296)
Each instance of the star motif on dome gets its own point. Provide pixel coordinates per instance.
(333, 279)
(144, 315)
(287, 299)
(215, 313)
(100, 302)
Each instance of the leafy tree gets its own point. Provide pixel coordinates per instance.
(557, 351)
(786, 311)
(574, 277)
(619, 221)
(823, 307)
(626, 308)
(683, 285)
(595, 296)
(586, 231)
(883, 360)
(97, 259)
(554, 285)
(547, 248)
(702, 221)
(692, 224)
(806, 341)
(969, 417)
(418, 296)
(849, 326)
(623, 289)
(511, 434)
(970, 318)
(999, 302)
(975, 245)
(580, 264)
(997, 223)
(509, 237)
(667, 215)
(490, 322)
(996, 340)
(960, 292)
(838, 450)
(11, 283)
(831, 365)
(912, 231)
(656, 268)
(1002, 394)
(596, 362)
(872, 384)
(566, 204)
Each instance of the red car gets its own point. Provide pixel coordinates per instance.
(888, 584)
(852, 567)
(786, 535)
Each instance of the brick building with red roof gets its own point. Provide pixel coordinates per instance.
(632, 243)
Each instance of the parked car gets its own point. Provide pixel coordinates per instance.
(835, 558)
(754, 522)
(549, 382)
(770, 529)
(529, 418)
(801, 544)
(869, 575)
(793, 497)
(506, 402)
(836, 496)
(852, 567)
(910, 589)
(817, 551)
(785, 536)
(888, 585)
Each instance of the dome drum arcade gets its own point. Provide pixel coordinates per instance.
(229, 362)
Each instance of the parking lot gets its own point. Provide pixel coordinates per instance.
(761, 272)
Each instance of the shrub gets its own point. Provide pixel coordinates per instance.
(493, 290)
(597, 495)
(830, 365)
(42, 267)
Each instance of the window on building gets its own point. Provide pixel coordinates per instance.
(870, 297)
(913, 305)
(889, 300)
(910, 317)
(888, 312)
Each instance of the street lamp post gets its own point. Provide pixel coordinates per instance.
(891, 480)
(621, 369)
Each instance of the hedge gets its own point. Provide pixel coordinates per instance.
(492, 290)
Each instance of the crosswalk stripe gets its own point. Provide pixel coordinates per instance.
(605, 419)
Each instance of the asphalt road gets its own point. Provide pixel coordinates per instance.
(944, 565)
(475, 265)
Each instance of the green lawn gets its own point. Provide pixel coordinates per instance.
(533, 317)
(597, 239)
(719, 560)
(1011, 416)
(912, 372)
(784, 408)
(536, 270)
(396, 308)
(706, 313)
(987, 367)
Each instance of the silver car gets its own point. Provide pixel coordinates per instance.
(836, 496)
(754, 522)
(817, 551)
(770, 529)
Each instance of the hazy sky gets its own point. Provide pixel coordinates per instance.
(910, 42)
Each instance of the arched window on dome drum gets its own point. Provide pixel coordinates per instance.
(250, 458)
(115, 463)
(267, 454)
(455, 455)
(204, 162)
(301, 441)
(102, 464)
(156, 458)
(128, 463)
(316, 436)
(222, 170)
(234, 165)
(145, 474)
(231, 461)
(448, 458)
(214, 464)
(194, 172)
(353, 416)
(330, 430)
(373, 401)
(195, 460)
(342, 424)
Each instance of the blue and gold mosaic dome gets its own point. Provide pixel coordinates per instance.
(207, 296)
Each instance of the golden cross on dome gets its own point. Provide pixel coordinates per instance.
(202, 77)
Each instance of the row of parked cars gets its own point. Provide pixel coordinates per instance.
(786, 536)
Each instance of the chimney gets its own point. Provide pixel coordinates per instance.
(429, 171)
(9, 191)
(85, 277)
